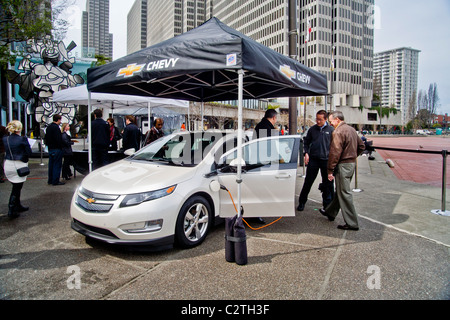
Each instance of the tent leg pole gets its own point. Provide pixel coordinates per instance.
(202, 115)
(90, 133)
(189, 119)
(240, 247)
(239, 150)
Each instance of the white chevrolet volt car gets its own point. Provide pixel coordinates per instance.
(169, 192)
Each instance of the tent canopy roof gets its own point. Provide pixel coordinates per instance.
(202, 65)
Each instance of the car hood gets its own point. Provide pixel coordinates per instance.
(127, 177)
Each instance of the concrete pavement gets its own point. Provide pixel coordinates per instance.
(400, 252)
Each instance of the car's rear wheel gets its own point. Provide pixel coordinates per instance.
(193, 222)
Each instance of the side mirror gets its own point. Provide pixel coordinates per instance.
(129, 152)
(235, 162)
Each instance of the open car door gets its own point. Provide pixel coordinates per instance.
(268, 178)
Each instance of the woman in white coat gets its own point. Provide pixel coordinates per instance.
(17, 152)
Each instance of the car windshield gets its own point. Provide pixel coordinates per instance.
(183, 149)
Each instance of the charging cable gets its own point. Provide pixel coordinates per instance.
(265, 226)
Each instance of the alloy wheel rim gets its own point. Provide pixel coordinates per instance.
(196, 222)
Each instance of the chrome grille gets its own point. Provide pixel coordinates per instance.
(97, 196)
(93, 207)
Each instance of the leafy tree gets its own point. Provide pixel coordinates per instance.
(32, 19)
(101, 60)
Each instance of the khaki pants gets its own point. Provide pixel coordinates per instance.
(343, 198)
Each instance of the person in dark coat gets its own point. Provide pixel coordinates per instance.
(131, 134)
(67, 152)
(266, 127)
(18, 151)
(317, 149)
(156, 132)
(3, 133)
(100, 140)
(53, 140)
(114, 135)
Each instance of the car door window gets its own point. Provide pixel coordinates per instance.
(264, 152)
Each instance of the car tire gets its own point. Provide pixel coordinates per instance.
(193, 222)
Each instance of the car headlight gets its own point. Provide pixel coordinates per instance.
(138, 198)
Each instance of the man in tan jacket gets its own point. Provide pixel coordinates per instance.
(345, 147)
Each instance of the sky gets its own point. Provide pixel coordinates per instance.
(422, 25)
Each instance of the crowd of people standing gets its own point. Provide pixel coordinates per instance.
(15, 150)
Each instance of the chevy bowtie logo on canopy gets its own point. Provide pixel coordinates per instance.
(130, 70)
(294, 75)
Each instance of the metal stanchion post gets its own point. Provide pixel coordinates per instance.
(442, 211)
(301, 158)
(356, 189)
(42, 152)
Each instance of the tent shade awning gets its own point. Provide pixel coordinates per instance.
(79, 95)
(202, 64)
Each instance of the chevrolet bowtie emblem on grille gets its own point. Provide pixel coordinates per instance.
(90, 200)
(130, 70)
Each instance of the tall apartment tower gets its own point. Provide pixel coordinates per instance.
(169, 18)
(137, 27)
(340, 24)
(265, 21)
(95, 34)
(396, 74)
(341, 42)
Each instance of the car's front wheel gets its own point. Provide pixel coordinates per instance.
(193, 222)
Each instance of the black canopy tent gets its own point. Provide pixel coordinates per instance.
(201, 65)
(212, 62)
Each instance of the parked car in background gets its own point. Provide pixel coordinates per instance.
(423, 131)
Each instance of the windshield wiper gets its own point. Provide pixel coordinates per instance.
(169, 161)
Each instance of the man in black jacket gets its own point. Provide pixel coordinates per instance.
(266, 127)
(317, 149)
(53, 140)
(131, 134)
(100, 140)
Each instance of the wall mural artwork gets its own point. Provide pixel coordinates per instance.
(39, 80)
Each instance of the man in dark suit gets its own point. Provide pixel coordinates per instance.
(54, 142)
(100, 140)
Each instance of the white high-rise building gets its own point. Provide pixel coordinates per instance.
(396, 74)
(137, 27)
(341, 39)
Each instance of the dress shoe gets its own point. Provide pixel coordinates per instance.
(322, 211)
(347, 227)
(59, 184)
(301, 207)
(256, 220)
(260, 220)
